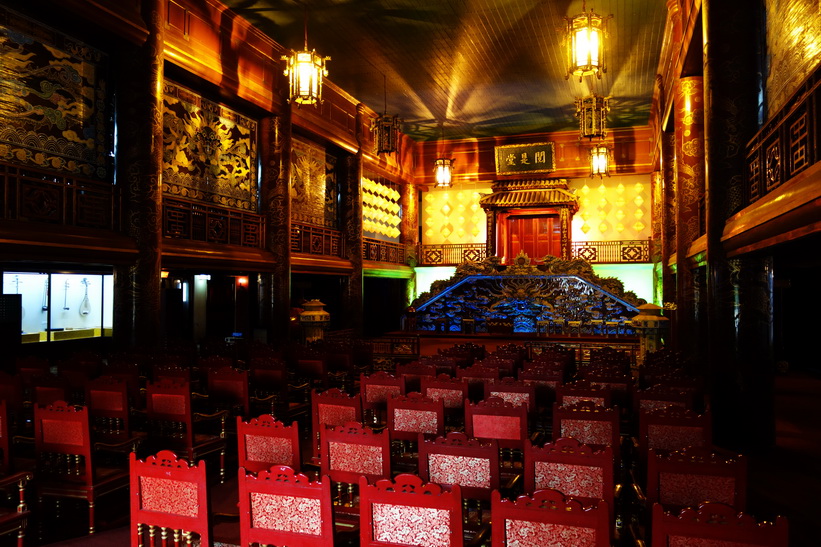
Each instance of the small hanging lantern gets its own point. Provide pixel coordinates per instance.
(592, 113)
(387, 133)
(305, 70)
(585, 35)
(444, 172)
(387, 128)
(599, 161)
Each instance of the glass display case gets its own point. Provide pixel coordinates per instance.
(62, 306)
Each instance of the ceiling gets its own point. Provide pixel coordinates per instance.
(471, 68)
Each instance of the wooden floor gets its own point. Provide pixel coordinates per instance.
(783, 479)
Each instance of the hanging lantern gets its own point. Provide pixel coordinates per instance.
(305, 70)
(444, 172)
(585, 35)
(386, 127)
(592, 113)
(599, 161)
(387, 133)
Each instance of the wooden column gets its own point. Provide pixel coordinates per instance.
(739, 317)
(352, 231)
(137, 313)
(689, 150)
(410, 233)
(275, 155)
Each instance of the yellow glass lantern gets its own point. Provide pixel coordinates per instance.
(585, 37)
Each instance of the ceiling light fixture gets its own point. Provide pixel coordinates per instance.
(305, 70)
(592, 113)
(585, 36)
(599, 161)
(387, 127)
(443, 169)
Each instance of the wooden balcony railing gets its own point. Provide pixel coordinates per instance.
(451, 255)
(788, 143)
(194, 221)
(612, 252)
(594, 252)
(42, 196)
(383, 251)
(316, 240)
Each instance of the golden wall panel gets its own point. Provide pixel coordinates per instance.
(612, 208)
(210, 151)
(314, 187)
(454, 216)
(793, 46)
(54, 103)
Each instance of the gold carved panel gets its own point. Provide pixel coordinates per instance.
(210, 151)
(54, 104)
(314, 188)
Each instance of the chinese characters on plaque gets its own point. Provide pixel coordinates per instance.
(525, 158)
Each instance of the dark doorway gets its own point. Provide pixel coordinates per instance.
(385, 300)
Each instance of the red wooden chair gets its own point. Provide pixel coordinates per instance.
(66, 465)
(46, 390)
(5, 440)
(619, 382)
(476, 377)
(271, 392)
(688, 477)
(514, 351)
(548, 518)
(413, 372)
(228, 390)
(464, 354)
(350, 451)
(453, 392)
(376, 389)
(589, 424)
(171, 423)
(412, 414)
(11, 392)
(545, 380)
(495, 418)
(31, 367)
(312, 365)
(107, 399)
(263, 442)
(163, 369)
(673, 428)
(715, 523)
(574, 392)
(408, 416)
(127, 369)
(407, 511)
(332, 407)
(279, 506)
(456, 459)
(169, 501)
(506, 366)
(444, 364)
(661, 396)
(14, 515)
(573, 469)
(514, 392)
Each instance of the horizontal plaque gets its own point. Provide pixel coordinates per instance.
(525, 158)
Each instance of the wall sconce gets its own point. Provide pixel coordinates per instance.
(599, 161)
(585, 35)
(592, 113)
(444, 172)
(305, 70)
